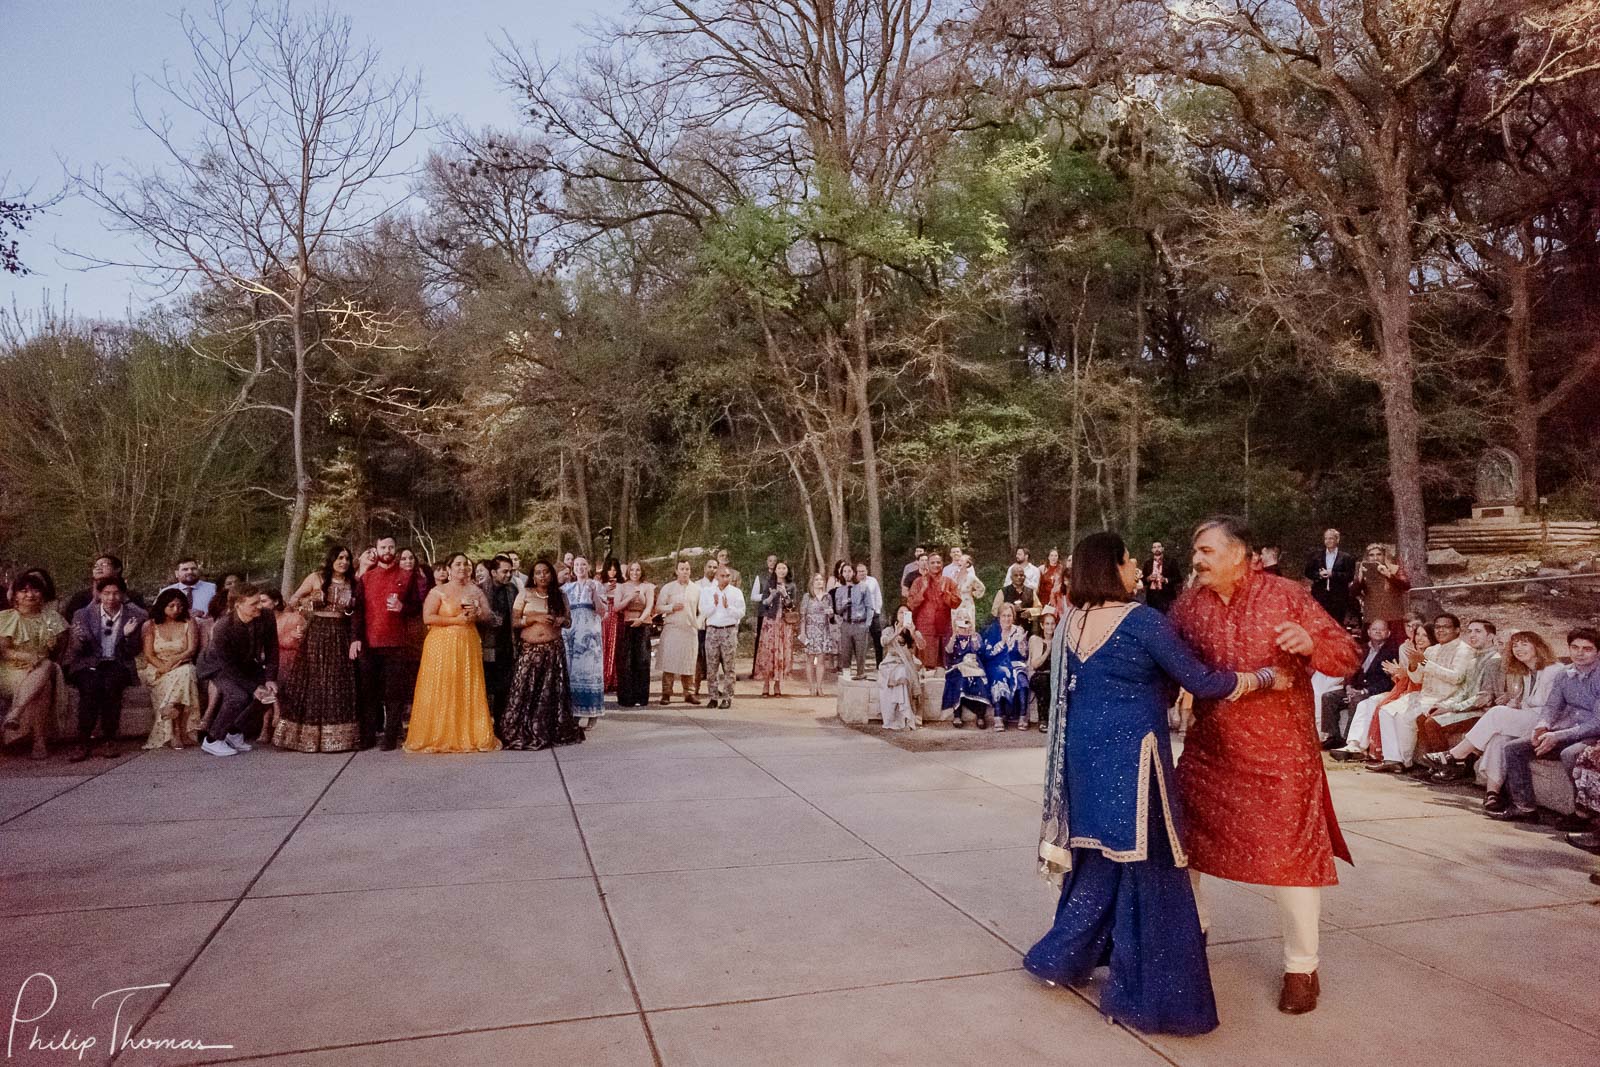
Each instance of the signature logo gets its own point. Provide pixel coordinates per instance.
(41, 989)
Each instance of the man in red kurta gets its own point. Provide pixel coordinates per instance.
(1255, 796)
(931, 600)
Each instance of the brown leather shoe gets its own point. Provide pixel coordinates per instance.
(1300, 992)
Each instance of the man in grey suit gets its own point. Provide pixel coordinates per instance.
(106, 638)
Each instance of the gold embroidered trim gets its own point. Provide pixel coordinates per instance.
(1148, 761)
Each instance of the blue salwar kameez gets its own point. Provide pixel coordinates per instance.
(1111, 827)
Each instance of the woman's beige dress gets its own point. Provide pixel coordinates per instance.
(177, 687)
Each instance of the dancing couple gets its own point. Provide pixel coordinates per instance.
(1248, 801)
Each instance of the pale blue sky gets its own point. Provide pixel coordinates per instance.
(68, 65)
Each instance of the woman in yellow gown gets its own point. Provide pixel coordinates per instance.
(450, 710)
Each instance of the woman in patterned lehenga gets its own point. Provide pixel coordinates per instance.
(611, 577)
(775, 649)
(585, 645)
(539, 708)
(318, 709)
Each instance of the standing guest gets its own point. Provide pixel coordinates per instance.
(1532, 674)
(33, 638)
(498, 633)
(678, 603)
(319, 706)
(1030, 570)
(853, 605)
(1005, 662)
(1369, 680)
(441, 574)
(1405, 671)
(968, 585)
(103, 566)
(539, 712)
(450, 712)
(1163, 579)
(291, 627)
(1381, 586)
(1051, 578)
(243, 666)
(199, 592)
(775, 636)
(816, 632)
(900, 676)
(634, 606)
(707, 579)
(1566, 726)
(758, 597)
(610, 577)
(1024, 601)
(585, 649)
(1111, 836)
(171, 642)
(1445, 680)
(388, 596)
(966, 684)
(721, 608)
(911, 571)
(480, 574)
(844, 576)
(722, 561)
(1039, 667)
(873, 592)
(101, 657)
(1255, 795)
(1331, 572)
(931, 600)
(1270, 558)
(422, 582)
(519, 579)
(953, 568)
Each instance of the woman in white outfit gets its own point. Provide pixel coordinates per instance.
(1531, 674)
(900, 675)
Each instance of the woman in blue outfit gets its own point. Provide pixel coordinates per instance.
(1005, 665)
(585, 644)
(1110, 836)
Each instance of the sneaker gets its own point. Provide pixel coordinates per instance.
(1347, 755)
(217, 748)
(238, 743)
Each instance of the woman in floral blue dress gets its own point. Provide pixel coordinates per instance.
(585, 643)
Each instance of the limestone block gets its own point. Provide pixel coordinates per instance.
(932, 694)
(1446, 559)
(1552, 788)
(858, 701)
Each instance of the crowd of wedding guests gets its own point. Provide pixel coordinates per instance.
(380, 648)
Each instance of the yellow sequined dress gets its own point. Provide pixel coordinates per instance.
(450, 709)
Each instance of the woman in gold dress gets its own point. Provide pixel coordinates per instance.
(450, 709)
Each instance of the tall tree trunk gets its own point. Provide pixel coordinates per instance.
(180, 545)
(1524, 408)
(1073, 447)
(1014, 510)
(1130, 489)
(869, 446)
(623, 531)
(1401, 424)
(301, 507)
(580, 484)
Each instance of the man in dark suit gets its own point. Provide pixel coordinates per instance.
(106, 637)
(1163, 579)
(1331, 572)
(1370, 679)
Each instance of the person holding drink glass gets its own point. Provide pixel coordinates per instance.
(318, 707)
(450, 711)
(388, 596)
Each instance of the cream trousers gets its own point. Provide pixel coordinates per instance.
(1299, 910)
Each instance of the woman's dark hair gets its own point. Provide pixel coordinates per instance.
(1095, 562)
(36, 580)
(327, 566)
(644, 572)
(116, 563)
(610, 566)
(47, 584)
(450, 560)
(276, 597)
(167, 596)
(557, 599)
(839, 567)
(788, 578)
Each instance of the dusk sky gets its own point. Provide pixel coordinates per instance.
(69, 66)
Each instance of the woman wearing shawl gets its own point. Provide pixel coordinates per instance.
(1005, 664)
(966, 683)
(1110, 830)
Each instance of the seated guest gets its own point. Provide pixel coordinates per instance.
(1039, 667)
(1531, 676)
(105, 644)
(1381, 585)
(1362, 737)
(1005, 661)
(32, 638)
(170, 643)
(1446, 679)
(1445, 724)
(1369, 680)
(242, 662)
(966, 683)
(1569, 721)
(900, 675)
(1023, 600)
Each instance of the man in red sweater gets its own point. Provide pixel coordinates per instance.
(388, 597)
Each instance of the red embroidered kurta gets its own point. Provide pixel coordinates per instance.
(931, 606)
(1255, 796)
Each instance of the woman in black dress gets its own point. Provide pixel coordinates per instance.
(318, 710)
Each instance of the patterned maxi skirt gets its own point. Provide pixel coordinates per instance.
(585, 668)
(776, 651)
(1586, 778)
(539, 709)
(318, 710)
(608, 648)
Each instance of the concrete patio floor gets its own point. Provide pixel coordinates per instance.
(689, 887)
